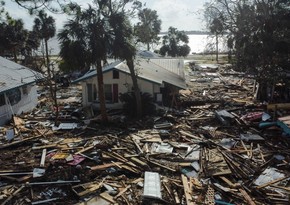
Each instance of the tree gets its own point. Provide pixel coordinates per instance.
(44, 27)
(2, 10)
(216, 28)
(148, 28)
(175, 43)
(87, 32)
(124, 48)
(59, 6)
(12, 37)
(258, 33)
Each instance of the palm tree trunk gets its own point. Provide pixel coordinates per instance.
(15, 55)
(217, 47)
(148, 47)
(130, 64)
(51, 88)
(101, 91)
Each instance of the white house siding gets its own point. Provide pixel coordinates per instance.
(124, 85)
(27, 103)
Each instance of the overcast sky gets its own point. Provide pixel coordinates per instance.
(181, 14)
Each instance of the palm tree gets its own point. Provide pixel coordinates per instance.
(88, 31)
(124, 48)
(44, 26)
(217, 28)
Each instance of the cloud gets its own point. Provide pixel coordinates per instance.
(181, 14)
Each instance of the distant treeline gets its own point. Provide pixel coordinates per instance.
(190, 33)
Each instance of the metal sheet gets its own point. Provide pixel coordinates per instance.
(152, 187)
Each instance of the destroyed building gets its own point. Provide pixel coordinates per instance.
(18, 90)
(221, 147)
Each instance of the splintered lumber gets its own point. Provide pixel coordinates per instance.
(107, 197)
(129, 168)
(272, 182)
(232, 185)
(138, 161)
(137, 145)
(122, 191)
(216, 164)
(283, 106)
(187, 191)
(281, 187)
(14, 193)
(189, 135)
(116, 156)
(247, 197)
(163, 166)
(86, 188)
(168, 190)
(176, 198)
(18, 142)
(105, 166)
(42, 161)
(21, 179)
(85, 149)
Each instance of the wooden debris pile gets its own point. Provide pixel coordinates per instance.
(210, 153)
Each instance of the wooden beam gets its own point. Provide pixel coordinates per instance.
(271, 182)
(187, 191)
(42, 161)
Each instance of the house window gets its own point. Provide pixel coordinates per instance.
(108, 92)
(25, 90)
(2, 100)
(115, 74)
(92, 92)
(14, 96)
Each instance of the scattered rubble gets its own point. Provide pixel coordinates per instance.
(219, 147)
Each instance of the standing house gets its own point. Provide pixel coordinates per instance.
(18, 92)
(158, 77)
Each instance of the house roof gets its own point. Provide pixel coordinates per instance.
(147, 54)
(145, 70)
(13, 75)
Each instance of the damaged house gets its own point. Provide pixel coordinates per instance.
(18, 91)
(157, 76)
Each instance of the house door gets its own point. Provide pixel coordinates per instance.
(115, 93)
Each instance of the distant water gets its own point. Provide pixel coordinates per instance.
(203, 43)
(197, 44)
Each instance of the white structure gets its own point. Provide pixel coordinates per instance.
(152, 78)
(18, 92)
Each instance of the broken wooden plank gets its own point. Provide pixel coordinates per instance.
(278, 106)
(85, 149)
(189, 135)
(108, 197)
(14, 193)
(87, 188)
(137, 146)
(105, 166)
(18, 142)
(247, 197)
(272, 182)
(122, 191)
(163, 166)
(187, 191)
(42, 161)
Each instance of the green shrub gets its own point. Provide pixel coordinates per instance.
(130, 107)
